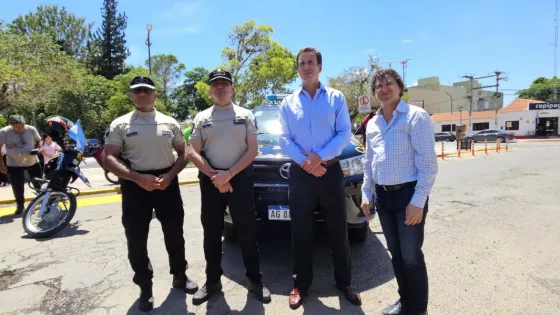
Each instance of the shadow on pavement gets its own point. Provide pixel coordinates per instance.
(174, 303)
(71, 229)
(371, 267)
(218, 305)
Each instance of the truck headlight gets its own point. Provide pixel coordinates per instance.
(353, 166)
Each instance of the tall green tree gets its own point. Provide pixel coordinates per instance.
(542, 89)
(353, 82)
(66, 29)
(107, 47)
(168, 70)
(246, 42)
(186, 98)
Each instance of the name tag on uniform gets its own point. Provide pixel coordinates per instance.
(132, 134)
(206, 125)
(167, 133)
(239, 121)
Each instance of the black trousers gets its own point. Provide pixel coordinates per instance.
(306, 192)
(137, 206)
(17, 177)
(405, 244)
(242, 209)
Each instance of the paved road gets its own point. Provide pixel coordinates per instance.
(492, 247)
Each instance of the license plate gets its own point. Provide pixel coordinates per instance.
(279, 213)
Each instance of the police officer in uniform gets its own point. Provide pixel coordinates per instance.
(223, 144)
(148, 172)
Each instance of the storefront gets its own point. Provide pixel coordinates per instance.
(529, 118)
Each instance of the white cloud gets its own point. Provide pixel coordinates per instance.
(137, 55)
(406, 41)
(176, 30)
(180, 9)
(415, 83)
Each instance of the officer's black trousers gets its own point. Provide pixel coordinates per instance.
(242, 210)
(137, 205)
(306, 192)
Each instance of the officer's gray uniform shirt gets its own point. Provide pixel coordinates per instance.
(146, 139)
(223, 131)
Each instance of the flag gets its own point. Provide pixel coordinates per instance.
(76, 133)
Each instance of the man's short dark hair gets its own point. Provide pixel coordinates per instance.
(310, 49)
(16, 119)
(382, 75)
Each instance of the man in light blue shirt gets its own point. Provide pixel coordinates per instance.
(315, 128)
(402, 164)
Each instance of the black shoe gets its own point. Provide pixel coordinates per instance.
(261, 292)
(19, 209)
(395, 309)
(146, 301)
(183, 282)
(351, 294)
(203, 294)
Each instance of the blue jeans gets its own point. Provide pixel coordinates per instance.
(405, 244)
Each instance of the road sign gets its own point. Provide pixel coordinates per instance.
(364, 104)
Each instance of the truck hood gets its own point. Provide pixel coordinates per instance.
(269, 148)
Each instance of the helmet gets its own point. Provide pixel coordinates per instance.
(57, 127)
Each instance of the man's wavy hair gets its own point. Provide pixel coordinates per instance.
(383, 75)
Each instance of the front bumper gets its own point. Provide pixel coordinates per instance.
(270, 194)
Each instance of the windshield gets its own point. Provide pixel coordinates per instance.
(268, 120)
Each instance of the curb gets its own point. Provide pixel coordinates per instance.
(454, 153)
(96, 192)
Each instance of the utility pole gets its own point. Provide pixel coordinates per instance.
(555, 50)
(149, 43)
(471, 80)
(451, 99)
(404, 64)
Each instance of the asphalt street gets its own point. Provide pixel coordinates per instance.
(492, 246)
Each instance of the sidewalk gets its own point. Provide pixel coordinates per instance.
(96, 177)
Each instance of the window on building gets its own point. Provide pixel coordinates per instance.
(512, 125)
(447, 128)
(480, 126)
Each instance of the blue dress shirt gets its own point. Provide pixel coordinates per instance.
(320, 125)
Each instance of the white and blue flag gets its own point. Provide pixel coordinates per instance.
(77, 134)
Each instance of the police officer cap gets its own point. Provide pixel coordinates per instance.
(140, 81)
(219, 74)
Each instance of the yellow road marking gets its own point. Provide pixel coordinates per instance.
(82, 202)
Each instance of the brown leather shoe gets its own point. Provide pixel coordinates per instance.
(351, 295)
(296, 299)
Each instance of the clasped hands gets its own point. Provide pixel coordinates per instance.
(221, 179)
(151, 182)
(314, 165)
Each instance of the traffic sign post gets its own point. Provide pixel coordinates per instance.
(364, 104)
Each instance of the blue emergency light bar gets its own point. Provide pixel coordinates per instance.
(275, 97)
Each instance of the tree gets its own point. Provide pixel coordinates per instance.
(246, 42)
(67, 30)
(107, 47)
(186, 98)
(353, 82)
(542, 89)
(167, 69)
(271, 71)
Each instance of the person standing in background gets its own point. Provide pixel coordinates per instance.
(22, 144)
(49, 149)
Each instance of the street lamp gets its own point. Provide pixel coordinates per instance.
(450, 98)
(149, 43)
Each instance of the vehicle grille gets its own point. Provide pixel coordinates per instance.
(268, 172)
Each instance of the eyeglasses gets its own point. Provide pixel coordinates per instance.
(144, 90)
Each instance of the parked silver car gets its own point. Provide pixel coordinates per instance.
(490, 135)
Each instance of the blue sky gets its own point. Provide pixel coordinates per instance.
(444, 38)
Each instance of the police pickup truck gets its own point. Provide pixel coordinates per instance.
(272, 170)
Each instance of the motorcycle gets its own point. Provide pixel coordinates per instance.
(97, 154)
(55, 204)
